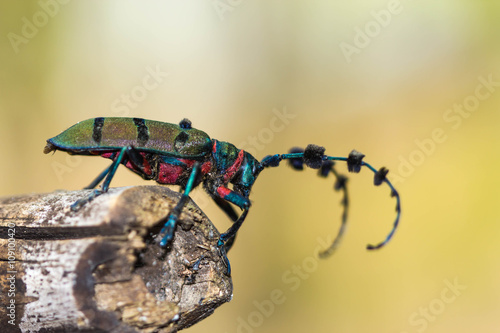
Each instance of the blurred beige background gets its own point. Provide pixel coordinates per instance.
(415, 85)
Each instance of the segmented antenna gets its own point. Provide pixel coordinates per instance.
(354, 164)
(313, 156)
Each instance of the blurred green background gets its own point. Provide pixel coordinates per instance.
(415, 85)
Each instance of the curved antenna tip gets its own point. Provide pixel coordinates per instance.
(375, 247)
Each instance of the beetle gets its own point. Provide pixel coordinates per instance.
(182, 155)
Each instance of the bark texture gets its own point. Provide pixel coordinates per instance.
(100, 270)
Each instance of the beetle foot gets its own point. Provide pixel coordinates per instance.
(222, 250)
(167, 232)
(80, 203)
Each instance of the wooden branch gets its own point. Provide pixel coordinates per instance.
(100, 270)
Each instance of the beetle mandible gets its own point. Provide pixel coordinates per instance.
(182, 155)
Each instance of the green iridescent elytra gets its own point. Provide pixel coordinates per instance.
(113, 133)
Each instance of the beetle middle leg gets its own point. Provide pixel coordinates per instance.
(167, 232)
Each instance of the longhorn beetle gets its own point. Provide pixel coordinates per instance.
(181, 155)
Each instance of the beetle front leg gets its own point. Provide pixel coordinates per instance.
(243, 203)
(231, 213)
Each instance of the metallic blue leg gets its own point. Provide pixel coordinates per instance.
(228, 235)
(167, 232)
(99, 178)
(225, 239)
(229, 210)
(110, 173)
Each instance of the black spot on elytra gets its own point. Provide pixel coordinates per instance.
(97, 131)
(180, 140)
(142, 131)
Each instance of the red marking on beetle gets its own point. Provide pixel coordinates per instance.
(169, 174)
(146, 166)
(233, 168)
(188, 163)
(223, 191)
(107, 155)
(214, 149)
(205, 167)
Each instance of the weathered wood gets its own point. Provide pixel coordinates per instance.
(99, 269)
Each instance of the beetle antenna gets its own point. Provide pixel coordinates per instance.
(354, 164)
(313, 156)
(340, 185)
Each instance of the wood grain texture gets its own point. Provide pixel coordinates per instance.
(99, 269)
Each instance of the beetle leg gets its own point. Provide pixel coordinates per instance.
(132, 155)
(98, 179)
(167, 232)
(243, 203)
(140, 163)
(239, 201)
(109, 173)
(229, 210)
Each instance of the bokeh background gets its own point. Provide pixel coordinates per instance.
(415, 85)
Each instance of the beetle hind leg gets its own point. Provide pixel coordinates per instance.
(108, 173)
(81, 202)
(99, 178)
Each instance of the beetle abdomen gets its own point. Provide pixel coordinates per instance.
(113, 133)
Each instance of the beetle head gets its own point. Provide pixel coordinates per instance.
(246, 175)
(235, 166)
